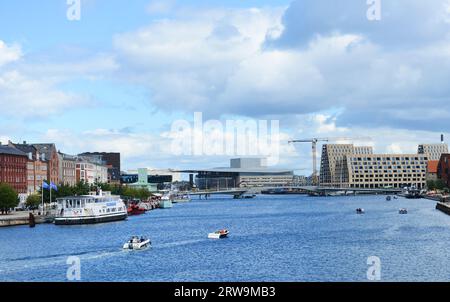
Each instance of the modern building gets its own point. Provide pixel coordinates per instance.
(386, 171)
(158, 175)
(112, 161)
(36, 166)
(333, 168)
(433, 151)
(67, 169)
(49, 155)
(444, 169)
(357, 167)
(243, 172)
(13, 168)
(142, 182)
(432, 170)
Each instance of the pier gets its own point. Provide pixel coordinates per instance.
(22, 218)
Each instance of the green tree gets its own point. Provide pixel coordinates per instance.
(431, 185)
(439, 184)
(8, 198)
(33, 201)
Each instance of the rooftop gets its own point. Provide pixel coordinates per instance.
(432, 166)
(11, 151)
(239, 170)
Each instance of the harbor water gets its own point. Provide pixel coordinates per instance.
(272, 238)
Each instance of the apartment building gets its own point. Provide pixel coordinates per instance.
(334, 168)
(433, 151)
(67, 169)
(387, 171)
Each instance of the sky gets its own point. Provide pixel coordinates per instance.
(121, 76)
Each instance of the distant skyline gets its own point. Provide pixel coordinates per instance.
(117, 79)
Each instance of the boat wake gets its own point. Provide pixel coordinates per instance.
(27, 263)
(179, 243)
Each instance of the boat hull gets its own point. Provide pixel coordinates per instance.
(89, 220)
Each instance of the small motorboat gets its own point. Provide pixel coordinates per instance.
(403, 211)
(388, 198)
(219, 234)
(137, 243)
(360, 211)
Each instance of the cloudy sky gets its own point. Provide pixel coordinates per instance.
(117, 79)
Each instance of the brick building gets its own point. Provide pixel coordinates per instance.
(13, 168)
(444, 169)
(36, 167)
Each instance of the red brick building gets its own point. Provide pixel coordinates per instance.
(13, 168)
(444, 169)
(36, 168)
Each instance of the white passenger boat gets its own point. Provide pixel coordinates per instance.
(137, 243)
(97, 207)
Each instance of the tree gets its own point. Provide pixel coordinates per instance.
(431, 185)
(439, 184)
(33, 201)
(8, 198)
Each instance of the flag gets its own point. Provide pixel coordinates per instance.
(53, 186)
(45, 185)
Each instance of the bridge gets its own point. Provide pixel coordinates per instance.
(311, 190)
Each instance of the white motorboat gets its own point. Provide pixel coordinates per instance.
(137, 243)
(219, 234)
(360, 211)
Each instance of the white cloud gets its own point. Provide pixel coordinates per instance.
(9, 54)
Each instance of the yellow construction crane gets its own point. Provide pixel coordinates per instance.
(314, 142)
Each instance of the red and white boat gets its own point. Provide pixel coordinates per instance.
(219, 234)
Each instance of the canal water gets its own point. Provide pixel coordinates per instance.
(272, 238)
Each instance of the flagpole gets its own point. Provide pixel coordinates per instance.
(42, 196)
(50, 202)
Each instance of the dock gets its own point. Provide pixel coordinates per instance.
(22, 218)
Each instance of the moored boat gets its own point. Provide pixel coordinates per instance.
(134, 209)
(98, 207)
(180, 198)
(165, 202)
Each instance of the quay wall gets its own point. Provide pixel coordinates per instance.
(443, 207)
(16, 221)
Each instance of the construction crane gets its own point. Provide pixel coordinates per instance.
(314, 142)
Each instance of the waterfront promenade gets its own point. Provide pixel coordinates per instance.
(19, 218)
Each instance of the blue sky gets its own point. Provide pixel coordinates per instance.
(117, 79)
